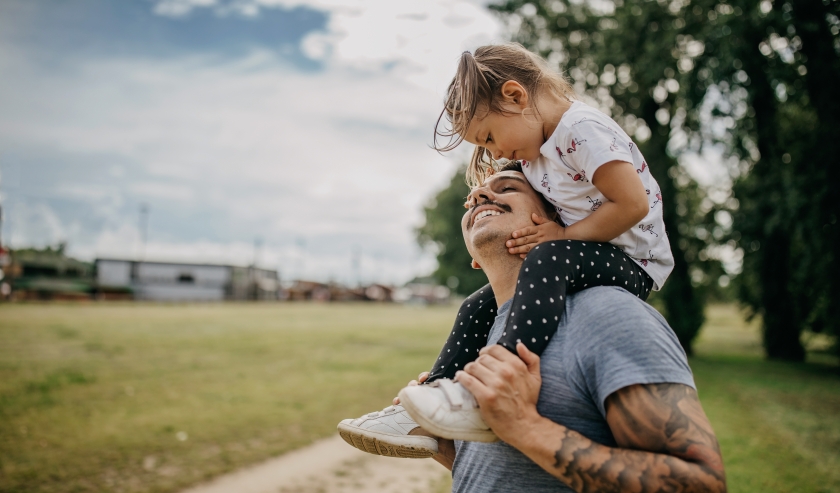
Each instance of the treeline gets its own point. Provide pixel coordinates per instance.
(750, 82)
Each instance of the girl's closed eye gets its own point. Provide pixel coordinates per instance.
(488, 139)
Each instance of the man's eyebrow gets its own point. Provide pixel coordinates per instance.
(496, 180)
(515, 178)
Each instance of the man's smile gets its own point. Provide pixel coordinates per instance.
(488, 212)
(487, 209)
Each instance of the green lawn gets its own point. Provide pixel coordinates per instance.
(778, 423)
(144, 397)
(127, 397)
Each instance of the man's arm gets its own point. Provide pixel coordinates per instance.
(446, 453)
(446, 448)
(667, 444)
(675, 448)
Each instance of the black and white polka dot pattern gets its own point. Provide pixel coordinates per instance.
(468, 336)
(550, 271)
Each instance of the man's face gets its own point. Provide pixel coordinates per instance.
(502, 205)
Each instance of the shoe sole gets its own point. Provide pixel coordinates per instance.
(484, 436)
(385, 445)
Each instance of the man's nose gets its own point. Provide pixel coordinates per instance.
(480, 195)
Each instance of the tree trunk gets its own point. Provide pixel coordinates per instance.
(781, 326)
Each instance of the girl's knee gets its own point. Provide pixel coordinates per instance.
(545, 253)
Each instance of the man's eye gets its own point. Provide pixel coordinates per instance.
(505, 189)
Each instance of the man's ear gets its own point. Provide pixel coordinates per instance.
(513, 92)
(474, 264)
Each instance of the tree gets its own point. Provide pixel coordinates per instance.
(787, 222)
(442, 231)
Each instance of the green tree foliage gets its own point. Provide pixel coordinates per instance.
(442, 232)
(754, 78)
(781, 63)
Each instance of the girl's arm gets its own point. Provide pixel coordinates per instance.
(626, 205)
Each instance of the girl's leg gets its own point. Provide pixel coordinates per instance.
(468, 335)
(554, 269)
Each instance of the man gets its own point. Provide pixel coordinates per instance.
(610, 405)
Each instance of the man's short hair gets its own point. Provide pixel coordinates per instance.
(548, 207)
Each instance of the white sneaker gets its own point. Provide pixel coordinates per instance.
(447, 409)
(385, 433)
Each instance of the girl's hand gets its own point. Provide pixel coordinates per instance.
(420, 379)
(527, 238)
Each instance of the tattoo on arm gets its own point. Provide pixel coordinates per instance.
(667, 445)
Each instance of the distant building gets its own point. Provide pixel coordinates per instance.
(44, 274)
(302, 290)
(422, 293)
(174, 281)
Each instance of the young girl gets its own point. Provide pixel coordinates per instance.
(512, 106)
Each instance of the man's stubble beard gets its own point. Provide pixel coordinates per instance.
(487, 239)
(489, 244)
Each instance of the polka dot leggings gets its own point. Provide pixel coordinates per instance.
(550, 272)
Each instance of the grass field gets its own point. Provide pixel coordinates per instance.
(137, 397)
(778, 423)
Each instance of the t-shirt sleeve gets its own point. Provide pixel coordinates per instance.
(591, 144)
(622, 341)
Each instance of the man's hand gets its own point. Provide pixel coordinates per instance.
(525, 239)
(506, 388)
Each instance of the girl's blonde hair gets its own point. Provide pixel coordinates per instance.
(477, 86)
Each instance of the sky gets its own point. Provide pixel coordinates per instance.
(295, 133)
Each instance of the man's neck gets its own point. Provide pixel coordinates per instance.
(502, 270)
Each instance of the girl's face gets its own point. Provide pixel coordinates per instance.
(515, 134)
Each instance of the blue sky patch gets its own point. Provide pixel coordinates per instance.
(60, 31)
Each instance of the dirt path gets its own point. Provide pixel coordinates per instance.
(330, 466)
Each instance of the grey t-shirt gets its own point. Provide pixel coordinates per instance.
(607, 339)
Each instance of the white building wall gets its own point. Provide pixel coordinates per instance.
(185, 282)
(211, 275)
(113, 273)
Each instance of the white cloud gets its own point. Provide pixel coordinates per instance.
(424, 37)
(180, 8)
(34, 222)
(342, 153)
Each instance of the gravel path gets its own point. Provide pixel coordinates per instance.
(330, 466)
